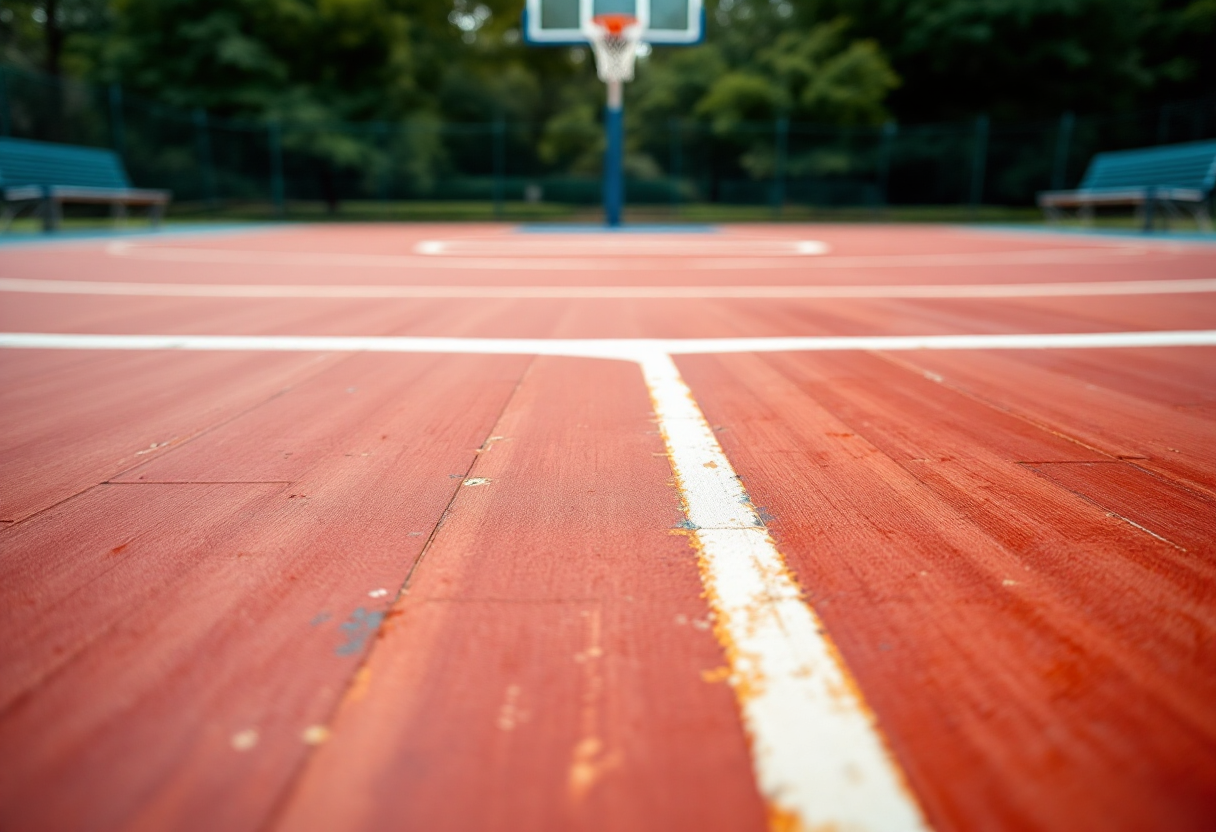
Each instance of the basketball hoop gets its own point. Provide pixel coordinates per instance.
(615, 39)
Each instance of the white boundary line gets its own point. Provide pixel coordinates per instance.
(818, 754)
(270, 290)
(620, 261)
(626, 349)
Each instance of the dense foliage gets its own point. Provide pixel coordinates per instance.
(833, 62)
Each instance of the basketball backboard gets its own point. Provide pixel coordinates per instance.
(665, 22)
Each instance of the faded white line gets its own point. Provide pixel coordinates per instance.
(818, 755)
(620, 259)
(270, 290)
(599, 245)
(627, 349)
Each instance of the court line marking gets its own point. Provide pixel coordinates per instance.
(621, 261)
(269, 290)
(625, 349)
(667, 245)
(817, 752)
(818, 755)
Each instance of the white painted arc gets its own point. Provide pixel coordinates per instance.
(625, 349)
(941, 291)
(816, 750)
(615, 245)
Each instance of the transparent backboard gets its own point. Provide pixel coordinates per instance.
(565, 21)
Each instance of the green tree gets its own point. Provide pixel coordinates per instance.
(802, 71)
(1021, 59)
(40, 34)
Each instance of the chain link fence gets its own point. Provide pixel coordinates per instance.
(213, 163)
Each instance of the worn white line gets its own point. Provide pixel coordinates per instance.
(818, 755)
(599, 245)
(270, 290)
(628, 349)
(620, 259)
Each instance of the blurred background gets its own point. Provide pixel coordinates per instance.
(435, 109)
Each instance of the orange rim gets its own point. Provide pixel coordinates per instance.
(614, 24)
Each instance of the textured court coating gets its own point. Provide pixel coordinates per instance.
(321, 589)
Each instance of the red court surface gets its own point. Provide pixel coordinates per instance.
(311, 584)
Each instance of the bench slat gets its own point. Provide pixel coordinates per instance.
(54, 174)
(1169, 177)
(27, 162)
(1191, 165)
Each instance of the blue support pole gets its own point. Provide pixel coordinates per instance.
(614, 156)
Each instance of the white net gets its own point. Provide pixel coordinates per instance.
(615, 39)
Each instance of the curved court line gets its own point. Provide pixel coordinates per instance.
(673, 245)
(621, 261)
(625, 349)
(270, 290)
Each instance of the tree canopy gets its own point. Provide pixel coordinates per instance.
(847, 63)
(830, 61)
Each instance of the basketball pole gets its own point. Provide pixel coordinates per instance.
(614, 155)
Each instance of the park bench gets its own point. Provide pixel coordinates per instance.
(46, 175)
(1168, 178)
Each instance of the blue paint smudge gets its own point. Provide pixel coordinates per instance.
(361, 626)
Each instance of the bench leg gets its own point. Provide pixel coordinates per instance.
(12, 210)
(1174, 211)
(118, 211)
(52, 214)
(1086, 214)
(156, 213)
(1202, 218)
(1150, 209)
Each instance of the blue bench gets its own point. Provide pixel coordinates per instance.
(46, 175)
(1166, 178)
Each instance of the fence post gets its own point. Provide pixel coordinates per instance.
(277, 196)
(782, 135)
(1059, 171)
(500, 165)
(117, 132)
(6, 127)
(384, 172)
(203, 139)
(979, 161)
(674, 163)
(885, 151)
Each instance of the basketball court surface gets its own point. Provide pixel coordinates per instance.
(494, 528)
